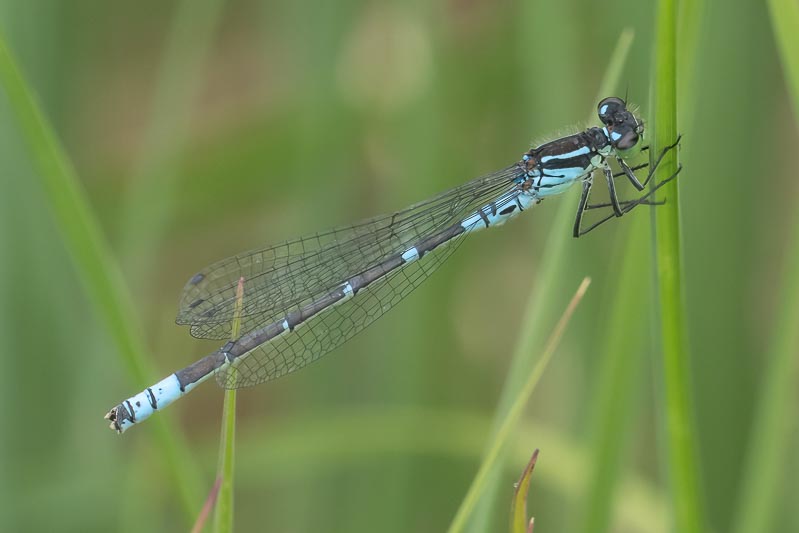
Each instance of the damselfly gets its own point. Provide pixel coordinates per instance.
(305, 297)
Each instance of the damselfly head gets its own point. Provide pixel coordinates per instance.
(623, 130)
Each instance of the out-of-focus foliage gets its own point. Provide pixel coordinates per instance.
(200, 129)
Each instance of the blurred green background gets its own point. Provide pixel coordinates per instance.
(203, 128)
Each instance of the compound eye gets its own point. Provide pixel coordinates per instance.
(608, 109)
(627, 141)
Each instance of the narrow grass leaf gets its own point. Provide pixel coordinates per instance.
(151, 191)
(614, 403)
(518, 510)
(94, 263)
(677, 417)
(543, 297)
(775, 414)
(205, 512)
(785, 25)
(223, 522)
(514, 414)
(327, 443)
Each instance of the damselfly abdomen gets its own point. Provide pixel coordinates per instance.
(303, 298)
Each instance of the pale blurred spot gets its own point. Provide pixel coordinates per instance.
(380, 162)
(473, 21)
(386, 60)
(488, 301)
(244, 79)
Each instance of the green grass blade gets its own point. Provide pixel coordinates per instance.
(208, 506)
(775, 414)
(785, 23)
(617, 379)
(678, 427)
(691, 24)
(514, 414)
(223, 519)
(518, 511)
(94, 264)
(333, 441)
(151, 193)
(542, 299)
(618, 58)
(621, 356)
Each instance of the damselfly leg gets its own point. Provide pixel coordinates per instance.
(629, 172)
(620, 207)
(643, 200)
(625, 203)
(614, 199)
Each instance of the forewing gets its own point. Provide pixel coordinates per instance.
(280, 277)
(329, 329)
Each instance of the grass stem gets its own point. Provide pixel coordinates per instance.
(677, 417)
(223, 519)
(542, 299)
(96, 267)
(514, 414)
(763, 469)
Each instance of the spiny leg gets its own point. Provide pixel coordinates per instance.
(629, 172)
(614, 199)
(627, 208)
(662, 154)
(578, 218)
(624, 203)
(633, 169)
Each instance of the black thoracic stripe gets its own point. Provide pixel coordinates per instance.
(255, 338)
(577, 161)
(518, 202)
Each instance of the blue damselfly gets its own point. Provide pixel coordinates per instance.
(304, 297)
